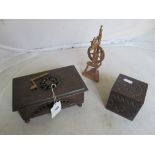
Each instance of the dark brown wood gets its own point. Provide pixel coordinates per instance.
(96, 55)
(69, 89)
(127, 96)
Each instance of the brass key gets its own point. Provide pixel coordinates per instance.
(34, 86)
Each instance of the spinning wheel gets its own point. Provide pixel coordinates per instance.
(96, 55)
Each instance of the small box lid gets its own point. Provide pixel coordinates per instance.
(68, 82)
(130, 87)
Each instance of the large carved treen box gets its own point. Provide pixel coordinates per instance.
(127, 96)
(68, 87)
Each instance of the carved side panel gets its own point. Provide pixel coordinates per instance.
(123, 106)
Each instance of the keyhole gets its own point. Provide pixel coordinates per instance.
(53, 85)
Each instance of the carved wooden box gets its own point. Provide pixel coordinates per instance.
(127, 96)
(69, 89)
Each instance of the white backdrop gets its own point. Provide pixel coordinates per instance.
(28, 39)
(51, 34)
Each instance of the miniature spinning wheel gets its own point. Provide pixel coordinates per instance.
(96, 55)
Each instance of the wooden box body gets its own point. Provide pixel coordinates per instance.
(31, 103)
(127, 96)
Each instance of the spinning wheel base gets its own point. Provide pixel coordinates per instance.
(92, 74)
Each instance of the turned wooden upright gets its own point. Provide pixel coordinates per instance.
(96, 55)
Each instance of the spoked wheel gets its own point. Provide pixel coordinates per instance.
(96, 56)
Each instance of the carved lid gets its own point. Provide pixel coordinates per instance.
(67, 80)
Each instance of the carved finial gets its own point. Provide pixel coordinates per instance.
(100, 34)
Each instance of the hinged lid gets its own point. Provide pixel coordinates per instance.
(67, 79)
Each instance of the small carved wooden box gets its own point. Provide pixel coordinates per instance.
(69, 89)
(127, 96)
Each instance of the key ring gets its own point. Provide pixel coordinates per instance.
(54, 96)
